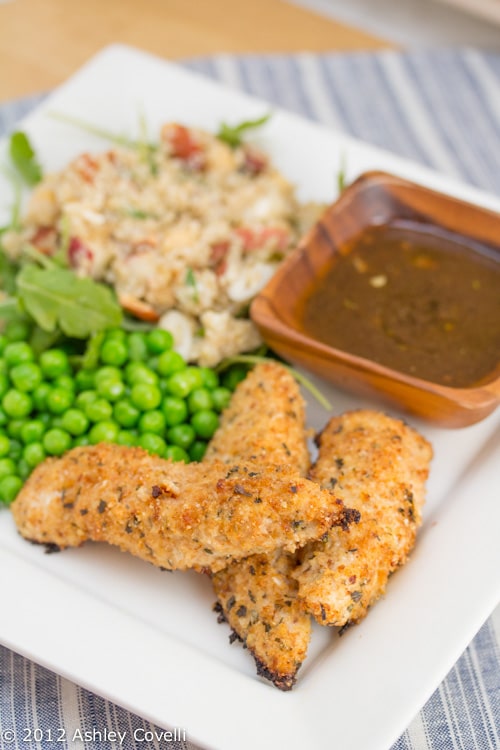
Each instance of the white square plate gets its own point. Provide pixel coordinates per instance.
(149, 640)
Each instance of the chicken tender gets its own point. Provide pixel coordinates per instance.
(265, 421)
(378, 466)
(173, 515)
(257, 596)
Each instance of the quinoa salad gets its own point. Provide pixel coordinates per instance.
(186, 233)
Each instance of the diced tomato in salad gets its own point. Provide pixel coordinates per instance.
(183, 145)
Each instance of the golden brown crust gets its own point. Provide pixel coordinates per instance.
(265, 421)
(256, 596)
(173, 515)
(258, 599)
(379, 466)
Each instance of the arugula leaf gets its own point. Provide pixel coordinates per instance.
(108, 135)
(41, 340)
(191, 281)
(56, 297)
(17, 190)
(90, 358)
(341, 175)
(9, 309)
(24, 158)
(233, 134)
(8, 272)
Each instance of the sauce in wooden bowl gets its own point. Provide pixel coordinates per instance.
(411, 299)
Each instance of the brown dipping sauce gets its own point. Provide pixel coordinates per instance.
(410, 299)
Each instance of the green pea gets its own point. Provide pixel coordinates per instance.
(75, 422)
(3, 418)
(15, 427)
(104, 432)
(180, 384)
(65, 381)
(59, 400)
(158, 340)
(205, 423)
(56, 421)
(85, 397)
(34, 454)
(107, 372)
(233, 376)
(114, 352)
(23, 468)
(170, 362)
(111, 389)
(199, 399)
(176, 453)
(4, 446)
(3, 342)
(126, 437)
(16, 450)
(85, 380)
(197, 450)
(152, 421)
(182, 435)
(221, 397)
(209, 377)
(138, 372)
(152, 443)
(18, 352)
(9, 488)
(17, 404)
(98, 410)
(145, 396)
(26, 376)
(54, 362)
(175, 410)
(7, 466)
(81, 440)
(32, 431)
(39, 396)
(125, 413)
(4, 383)
(152, 363)
(56, 441)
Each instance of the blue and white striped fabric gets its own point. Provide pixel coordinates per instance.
(438, 107)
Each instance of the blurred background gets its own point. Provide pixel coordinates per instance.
(42, 42)
(409, 22)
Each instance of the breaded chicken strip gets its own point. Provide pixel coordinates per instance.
(379, 466)
(265, 421)
(174, 515)
(257, 596)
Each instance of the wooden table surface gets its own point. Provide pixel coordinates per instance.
(42, 42)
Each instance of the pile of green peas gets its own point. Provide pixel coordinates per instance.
(141, 392)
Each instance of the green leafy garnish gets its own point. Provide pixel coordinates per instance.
(191, 281)
(233, 134)
(8, 272)
(55, 297)
(120, 140)
(24, 159)
(341, 175)
(138, 213)
(9, 309)
(90, 358)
